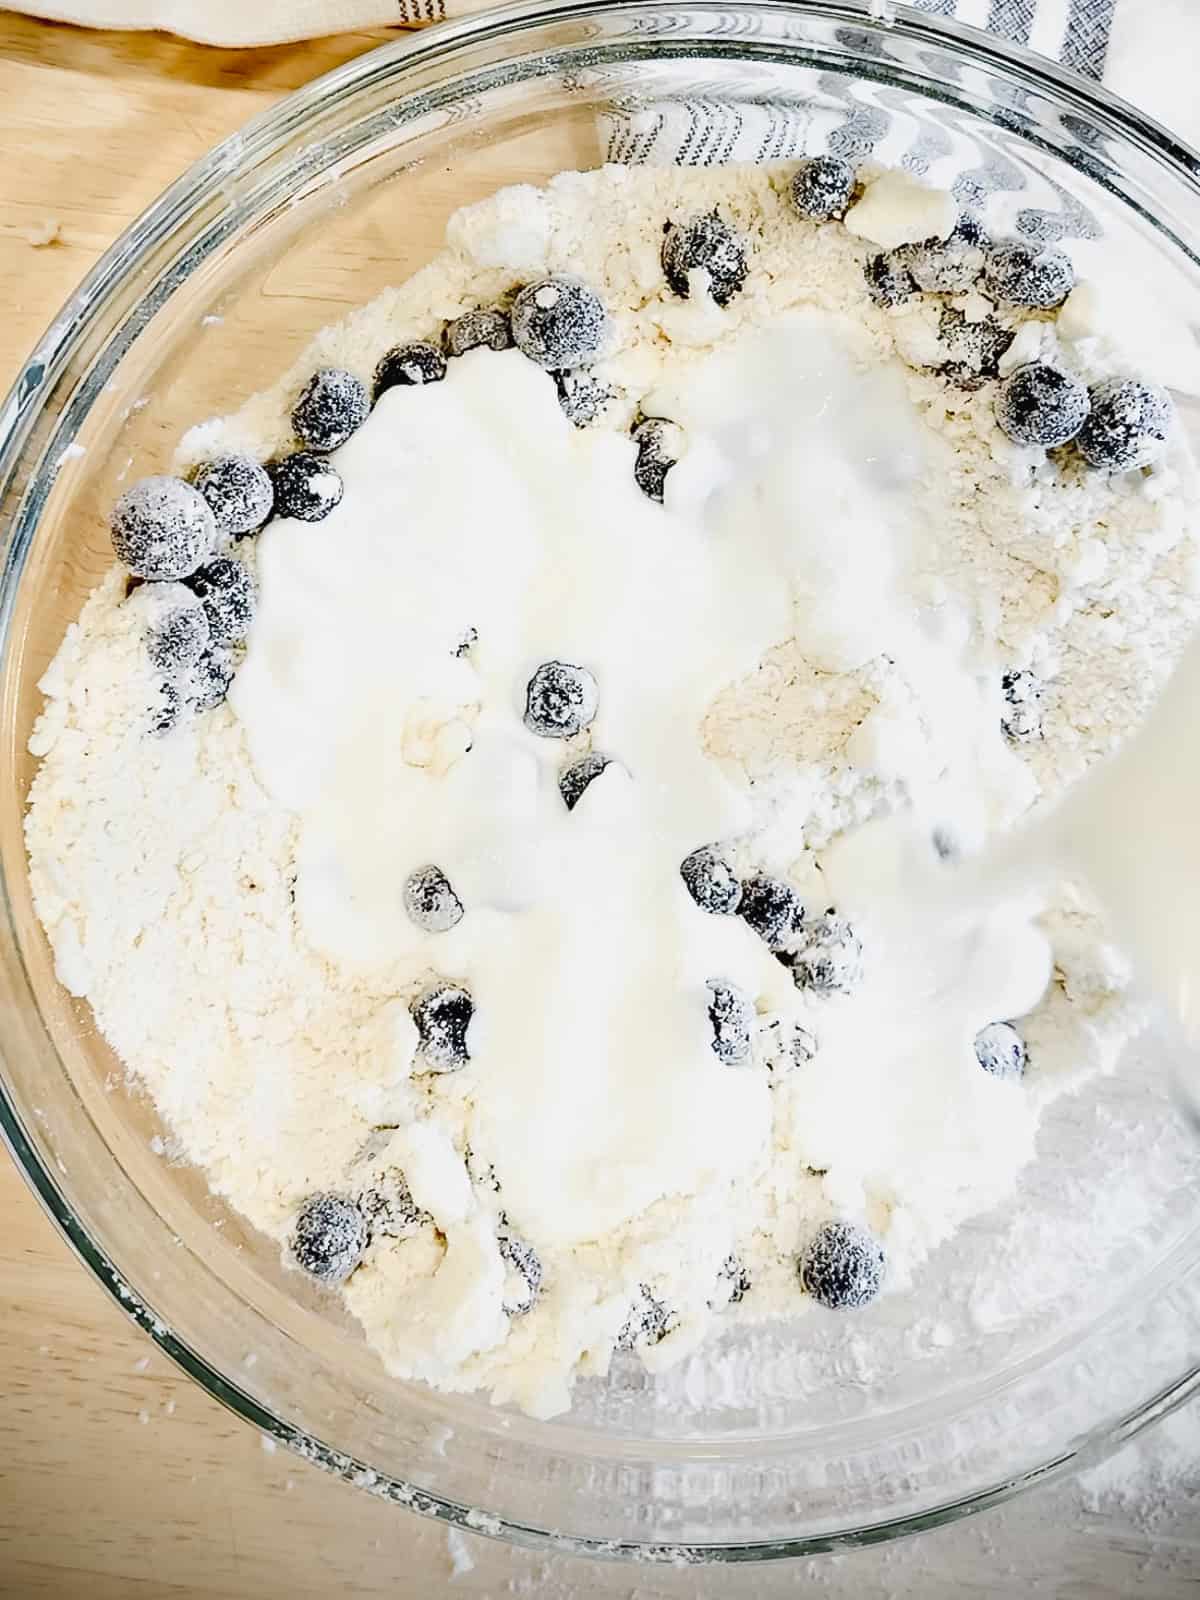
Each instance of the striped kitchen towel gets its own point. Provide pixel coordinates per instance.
(1090, 35)
(1142, 49)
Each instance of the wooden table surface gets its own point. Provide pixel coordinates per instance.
(119, 1480)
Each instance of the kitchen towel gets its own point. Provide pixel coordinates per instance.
(1094, 36)
(1142, 49)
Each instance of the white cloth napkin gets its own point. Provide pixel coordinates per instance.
(242, 23)
(1143, 49)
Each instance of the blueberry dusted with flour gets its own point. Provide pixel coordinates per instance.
(973, 348)
(582, 396)
(579, 776)
(167, 709)
(731, 1013)
(782, 1044)
(1036, 276)
(1127, 426)
(1040, 405)
(239, 493)
(430, 900)
(389, 1208)
(950, 265)
(772, 908)
(177, 638)
(330, 1237)
(485, 328)
(306, 487)
(175, 626)
(184, 692)
(711, 881)
(442, 1015)
(409, 366)
(559, 323)
(822, 188)
(648, 1323)
(842, 1266)
(705, 245)
(889, 282)
(332, 406)
(1000, 1050)
(525, 1273)
(229, 596)
(206, 684)
(560, 700)
(1021, 718)
(825, 955)
(659, 447)
(163, 528)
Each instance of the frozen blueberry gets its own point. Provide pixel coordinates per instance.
(199, 686)
(333, 405)
(1000, 1050)
(1127, 426)
(731, 1013)
(167, 708)
(1021, 719)
(950, 265)
(409, 366)
(560, 700)
(485, 328)
(783, 1044)
(973, 349)
(576, 778)
(442, 1015)
(430, 900)
(649, 1322)
(772, 908)
(229, 596)
(659, 447)
(206, 683)
(525, 1265)
(330, 1237)
(705, 244)
(389, 1208)
(178, 638)
(306, 487)
(1037, 404)
(824, 954)
(176, 628)
(889, 282)
(239, 493)
(842, 1266)
(711, 881)
(559, 323)
(1038, 276)
(163, 528)
(822, 188)
(735, 1275)
(582, 396)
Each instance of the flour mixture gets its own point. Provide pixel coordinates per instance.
(473, 808)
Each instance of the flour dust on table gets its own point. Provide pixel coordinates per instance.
(506, 736)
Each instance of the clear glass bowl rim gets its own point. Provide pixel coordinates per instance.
(251, 147)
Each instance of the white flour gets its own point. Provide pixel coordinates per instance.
(164, 869)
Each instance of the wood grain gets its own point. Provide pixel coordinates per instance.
(119, 1480)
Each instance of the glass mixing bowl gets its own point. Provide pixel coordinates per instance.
(1048, 1331)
